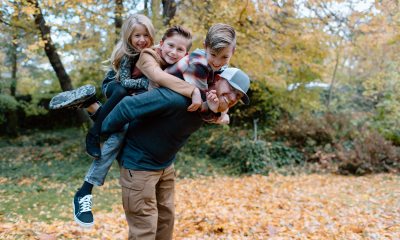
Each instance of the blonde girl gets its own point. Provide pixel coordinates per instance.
(137, 33)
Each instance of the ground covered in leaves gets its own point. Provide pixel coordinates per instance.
(252, 207)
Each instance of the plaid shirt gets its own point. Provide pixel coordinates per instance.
(195, 70)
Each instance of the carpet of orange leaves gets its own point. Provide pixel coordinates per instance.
(256, 207)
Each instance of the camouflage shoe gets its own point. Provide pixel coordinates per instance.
(74, 98)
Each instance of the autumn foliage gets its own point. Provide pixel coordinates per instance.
(324, 98)
(254, 207)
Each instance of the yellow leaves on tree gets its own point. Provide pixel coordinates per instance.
(28, 10)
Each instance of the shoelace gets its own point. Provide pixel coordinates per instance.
(85, 203)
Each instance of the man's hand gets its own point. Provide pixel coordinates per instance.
(196, 100)
(212, 100)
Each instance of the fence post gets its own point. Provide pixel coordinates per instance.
(255, 128)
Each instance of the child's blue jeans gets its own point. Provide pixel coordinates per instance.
(98, 170)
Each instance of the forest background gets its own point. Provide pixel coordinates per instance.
(325, 74)
(324, 92)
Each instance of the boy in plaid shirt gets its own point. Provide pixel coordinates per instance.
(201, 66)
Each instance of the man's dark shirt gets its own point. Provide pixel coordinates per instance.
(159, 126)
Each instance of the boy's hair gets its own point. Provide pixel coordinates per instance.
(220, 36)
(124, 45)
(181, 31)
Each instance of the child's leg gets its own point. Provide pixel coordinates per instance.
(94, 113)
(109, 151)
(115, 92)
(96, 175)
(93, 108)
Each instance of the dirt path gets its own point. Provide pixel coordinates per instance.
(257, 207)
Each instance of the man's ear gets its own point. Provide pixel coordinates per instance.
(233, 50)
(161, 42)
(217, 78)
(204, 45)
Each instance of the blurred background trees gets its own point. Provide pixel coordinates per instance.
(325, 74)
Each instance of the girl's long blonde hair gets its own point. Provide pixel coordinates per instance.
(124, 46)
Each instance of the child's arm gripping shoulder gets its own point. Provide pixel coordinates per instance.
(148, 65)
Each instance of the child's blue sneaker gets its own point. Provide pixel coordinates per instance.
(83, 210)
(73, 99)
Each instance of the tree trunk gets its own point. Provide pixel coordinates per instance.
(146, 7)
(169, 11)
(50, 49)
(119, 8)
(333, 80)
(14, 65)
(12, 125)
(155, 14)
(54, 58)
(13, 53)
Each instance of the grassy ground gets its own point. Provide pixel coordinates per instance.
(41, 171)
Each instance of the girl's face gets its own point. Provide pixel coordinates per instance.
(174, 48)
(140, 38)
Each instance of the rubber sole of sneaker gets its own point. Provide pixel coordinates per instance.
(73, 98)
(82, 224)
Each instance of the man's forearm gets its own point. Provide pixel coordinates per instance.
(139, 106)
(114, 121)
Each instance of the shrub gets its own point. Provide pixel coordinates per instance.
(369, 153)
(233, 150)
(8, 104)
(318, 133)
(250, 157)
(264, 106)
(33, 105)
(283, 155)
(260, 157)
(32, 109)
(319, 130)
(30, 112)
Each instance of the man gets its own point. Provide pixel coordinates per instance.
(159, 126)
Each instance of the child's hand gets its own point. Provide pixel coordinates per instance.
(196, 100)
(212, 100)
(224, 119)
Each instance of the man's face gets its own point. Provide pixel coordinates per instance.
(216, 60)
(227, 95)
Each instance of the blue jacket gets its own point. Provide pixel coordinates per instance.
(159, 126)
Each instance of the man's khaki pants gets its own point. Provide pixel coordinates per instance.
(148, 200)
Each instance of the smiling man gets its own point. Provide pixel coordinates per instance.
(159, 125)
